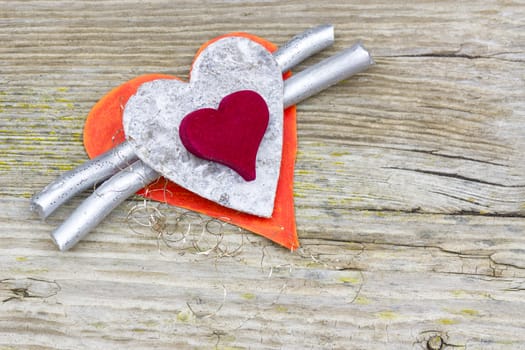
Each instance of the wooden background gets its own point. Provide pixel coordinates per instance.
(409, 186)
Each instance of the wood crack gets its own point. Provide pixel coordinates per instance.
(514, 266)
(494, 272)
(444, 55)
(452, 156)
(420, 211)
(459, 198)
(455, 176)
(494, 265)
(24, 288)
(458, 55)
(444, 155)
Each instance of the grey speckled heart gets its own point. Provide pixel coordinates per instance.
(152, 117)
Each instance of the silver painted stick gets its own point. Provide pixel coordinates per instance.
(304, 45)
(82, 178)
(326, 73)
(99, 204)
(101, 168)
(307, 83)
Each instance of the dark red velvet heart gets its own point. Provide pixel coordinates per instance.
(229, 135)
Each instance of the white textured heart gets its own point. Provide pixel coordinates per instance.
(153, 115)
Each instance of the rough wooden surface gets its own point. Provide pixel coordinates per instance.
(410, 185)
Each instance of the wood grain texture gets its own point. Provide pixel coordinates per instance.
(410, 185)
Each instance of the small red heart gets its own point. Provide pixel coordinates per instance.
(229, 135)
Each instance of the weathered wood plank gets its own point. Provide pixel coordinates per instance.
(410, 185)
(346, 287)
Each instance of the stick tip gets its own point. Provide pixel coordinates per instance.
(361, 47)
(62, 244)
(36, 207)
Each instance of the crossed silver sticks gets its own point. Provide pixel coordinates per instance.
(124, 173)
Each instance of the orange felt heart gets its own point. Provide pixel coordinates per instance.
(103, 130)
